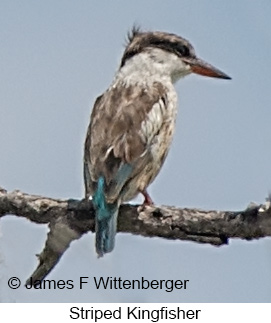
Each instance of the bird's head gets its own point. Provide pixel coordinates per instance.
(172, 52)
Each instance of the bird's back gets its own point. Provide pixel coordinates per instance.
(130, 130)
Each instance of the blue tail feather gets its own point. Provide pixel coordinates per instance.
(105, 221)
(107, 213)
(105, 233)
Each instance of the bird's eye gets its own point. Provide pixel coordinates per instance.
(182, 50)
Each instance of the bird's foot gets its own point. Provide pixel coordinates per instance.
(147, 199)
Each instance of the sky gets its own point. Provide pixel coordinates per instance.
(56, 57)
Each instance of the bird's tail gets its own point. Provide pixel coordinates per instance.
(105, 220)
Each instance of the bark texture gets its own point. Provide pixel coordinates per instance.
(69, 219)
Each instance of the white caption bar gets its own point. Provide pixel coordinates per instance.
(135, 312)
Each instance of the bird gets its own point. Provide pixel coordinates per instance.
(132, 124)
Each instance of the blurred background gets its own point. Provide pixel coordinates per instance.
(56, 57)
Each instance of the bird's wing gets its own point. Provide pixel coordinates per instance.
(123, 123)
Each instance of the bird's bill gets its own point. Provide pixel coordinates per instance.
(201, 67)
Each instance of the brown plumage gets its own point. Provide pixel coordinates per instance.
(115, 136)
(132, 124)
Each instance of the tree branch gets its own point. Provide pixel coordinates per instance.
(69, 219)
